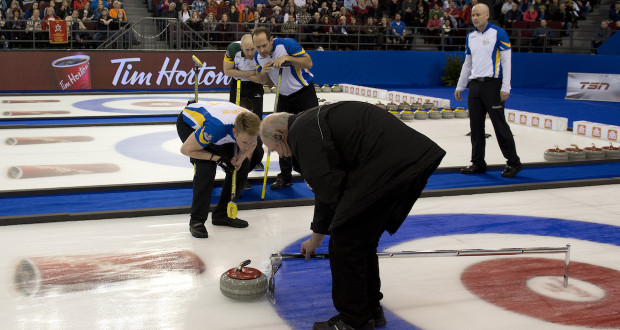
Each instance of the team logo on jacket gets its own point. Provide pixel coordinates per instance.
(208, 137)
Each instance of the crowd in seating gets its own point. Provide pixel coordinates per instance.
(349, 24)
(26, 23)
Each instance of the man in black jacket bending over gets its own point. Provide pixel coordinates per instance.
(366, 169)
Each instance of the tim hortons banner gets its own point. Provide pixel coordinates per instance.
(593, 87)
(49, 71)
(58, 32)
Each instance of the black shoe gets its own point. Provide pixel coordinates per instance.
(198, 230)
(280, 183)
(473, 169)
(378, 317)
(337, 324)
(511, 171)
(247, 185)
(259, 167)
(230, 222)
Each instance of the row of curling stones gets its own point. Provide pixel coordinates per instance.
(243, 283)
(408, 112)
(575, 153)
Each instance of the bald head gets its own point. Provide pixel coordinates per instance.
(480, 16)
(247, 46)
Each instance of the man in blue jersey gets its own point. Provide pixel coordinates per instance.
(487, 69)
(217, 133)
(296, 89)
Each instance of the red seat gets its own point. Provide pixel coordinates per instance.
(555, 25)
(519, 25)
(222, 10)
(534, 24)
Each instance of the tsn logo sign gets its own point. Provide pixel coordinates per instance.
(594, 85)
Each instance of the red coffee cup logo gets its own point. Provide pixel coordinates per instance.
(73, 72)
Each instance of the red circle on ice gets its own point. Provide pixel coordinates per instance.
(503, 282)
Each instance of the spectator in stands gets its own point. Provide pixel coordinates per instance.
(171, 14)
(239, 6)
(420, 18)
(99, 9)
(265, 3)
(313, 6)
(513, 15)
(210, 28)
(372, 37)
(541, 37)
(614, 13)
(246, 15)
(384, 30)
(260, 8)
(524, 5)
(397, 30)
(290, 11)
(392, 7)
(124, 36)
(447, 17)
(315, 29)
(355, 31)
(86, 13)
(584, 8)
(116, 9)
(271, 3)
(408, 8)
(324, 10)
(334, 11)
(436, 10)
(298, 3)
(530, 15)
(211, 7)
(33, 7)
(453, 11)
(375, 11)
(199, 6)
(195, 22)
(344, 12)
(564, 16)
(248, 3)
(289, 28)
(277, 14)
(553, 8)
(226, 28)
(303, 17)
(233, 15)
(78, 29)
(327, 25)
(104, 27)
(542, 13)
(361, 10)
(341, 31)
(433, 28)
(95, 4)
(537, 4)
(184, 14)
(447, 33)
(349, 4)
(34, 30)
(465, 17)
(3, 26)
(602, 34)
(14, 5)
(15, 23)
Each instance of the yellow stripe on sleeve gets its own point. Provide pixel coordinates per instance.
(497, 62)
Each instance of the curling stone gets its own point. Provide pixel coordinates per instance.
(447, 114)
(575, 153)
(243, 283)
(380, 105)
(556, 155)
(404, 106)
(395, 113)
(336, 88)
(434, 114)
(461, 113)
(273, 89)
(417, 106)
(407, 115)
(611, 152)
(421, 115)
(428, 105)
(317, 88)
(326, 89)
(594, 153)
(266, 89)
(391, 106)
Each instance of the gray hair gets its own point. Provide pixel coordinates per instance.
(271, 124)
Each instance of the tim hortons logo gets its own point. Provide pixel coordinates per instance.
(612, 135)
(596, 132)
(594, 85)
(581, 129)
(548, 123)
(523, 119)
(357, 90)
(511, 117)
(535, 121)
(346, 89)
(397, 98)
(374, 93)
(363, 92)
(391, 97)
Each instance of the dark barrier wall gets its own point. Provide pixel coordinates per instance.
(51, 71)
(611, 46)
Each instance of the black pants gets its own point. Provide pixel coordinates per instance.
(254, 92)
(204, 178)
(484, 98)
(356, 285)
(297, 102)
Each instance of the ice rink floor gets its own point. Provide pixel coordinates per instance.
(148, 273)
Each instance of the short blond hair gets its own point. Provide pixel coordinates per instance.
(247, 122)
